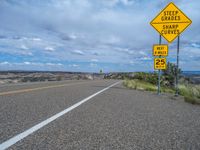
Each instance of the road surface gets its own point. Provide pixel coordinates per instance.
(98, 114)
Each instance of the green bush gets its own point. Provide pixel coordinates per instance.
(148, 77)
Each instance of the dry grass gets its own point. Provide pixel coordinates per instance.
(142, 85)
(190, 92)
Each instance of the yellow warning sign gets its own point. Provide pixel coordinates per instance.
(171, 22)
(160, 63)
(160, 50)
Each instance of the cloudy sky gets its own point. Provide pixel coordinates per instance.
(89, 35)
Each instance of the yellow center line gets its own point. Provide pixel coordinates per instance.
(38, 88)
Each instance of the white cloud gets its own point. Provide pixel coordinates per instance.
(127, 2)
(59, 64)
(50, 49)
(112, 3)
(142, 53)
(31, 64)
(126, 51)
(53, 64)
(73, 36)
(27, 63)
(112, 40)
(36, 39)
(78, 52)
(5, 63)
(131, 62)
(195, 45)
(93, 65)
(24, 47)
(146, 58)
(94, 60)
(74, 65)
(25, 53)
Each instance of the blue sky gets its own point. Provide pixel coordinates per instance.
(89, 35)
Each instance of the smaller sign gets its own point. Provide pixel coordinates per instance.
(160, 63)
(160, 50)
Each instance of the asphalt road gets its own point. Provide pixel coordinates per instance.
(116, 118)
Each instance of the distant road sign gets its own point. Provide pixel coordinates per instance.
(160, 50)
(171, 22)
(160, 63)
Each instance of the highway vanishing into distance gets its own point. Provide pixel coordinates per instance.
(99, 114)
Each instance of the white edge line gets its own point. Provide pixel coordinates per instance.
(31, 130)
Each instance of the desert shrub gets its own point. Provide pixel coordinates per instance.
(148, 77)
(170, 74)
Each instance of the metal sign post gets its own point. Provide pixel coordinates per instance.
(177, 66)
(159, 72)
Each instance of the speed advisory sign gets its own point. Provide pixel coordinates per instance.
(160, 63)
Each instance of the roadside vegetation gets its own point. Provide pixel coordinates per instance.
(190, 92)
(143, 85)
(148, 82)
